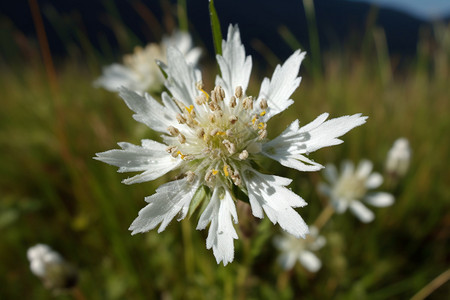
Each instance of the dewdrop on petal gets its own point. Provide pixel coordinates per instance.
(224, 132)
(398, 158)
(47, 264)
(351, 188)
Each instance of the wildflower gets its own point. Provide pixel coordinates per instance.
(139, 72)
(294, 249)
(348, 189)
(213, 139)
(398, 158)
(51, 268)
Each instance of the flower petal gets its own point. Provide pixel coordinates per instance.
(115, 76)
(148, 111)
(364, 168)
(151, 158)
(361, 212)
(287, 260)
(182, 77)
(169, 200)
(310, 261)
(340, 205)
(235, 67)
(379, 199)
(330, 173)
(374, 181)
(283, 83)
(219, 213)
(268, 193)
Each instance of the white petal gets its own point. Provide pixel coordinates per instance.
(330, 173)
(183, 42)
(169, 200)
(182, 77)
(284, 82)
(37, 267)
(374, 181)
(340, 205)
(361, 212)
(364, 168)
(310, 261)
(235, 67)
(116, 76)
(379, 199)
(287, 260)
(268, 193)
(220, 212)
(320, 133)
(36, 252)
(347, 168)
(151, 158)
(148, 110)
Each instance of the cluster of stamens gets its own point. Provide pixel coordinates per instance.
(219, 131)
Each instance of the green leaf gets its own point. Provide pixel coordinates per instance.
(199, 195)
(215, 28)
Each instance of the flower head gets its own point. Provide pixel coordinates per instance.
(212, 139)
(294, 249)
(139, 72)
(348, 189)
(398, 158)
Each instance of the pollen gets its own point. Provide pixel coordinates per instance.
(190, 108)
(226, 169)
(263, 113)
(214, 171)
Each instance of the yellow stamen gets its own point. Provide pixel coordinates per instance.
(206, 94)
(180, 154)
(225, 170)
(190, 108)
(262, 113)
(261, 125)
(214, 171)
(221, 133)
(254, 120)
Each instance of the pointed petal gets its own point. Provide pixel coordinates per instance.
(220, 212)
(287, 260)
(115, 76)
(182, 77)
(170, 199)
(340, 205)
(361, 212)
(148, 111)
(310, 261)
(379, 199)
(151, 158)
(268, 193)
(235, 67)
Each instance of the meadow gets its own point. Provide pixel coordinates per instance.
(53, 121)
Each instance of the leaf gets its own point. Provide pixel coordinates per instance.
(215, 28)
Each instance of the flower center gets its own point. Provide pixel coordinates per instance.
(219, 134)
(350, 187)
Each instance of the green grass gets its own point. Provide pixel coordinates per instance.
(53, 192)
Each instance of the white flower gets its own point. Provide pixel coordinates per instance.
(41, 256)
(351, 186)
(293, 249)
(398, 158)
(139, 72)
(213, 140)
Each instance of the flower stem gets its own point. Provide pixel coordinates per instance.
(432, 286)
(188, 251)
(324, 216)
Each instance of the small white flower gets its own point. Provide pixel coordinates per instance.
(213, 140)
(41, 256)
(351, 186)
(398, 157)
(139, 72)
(294, 249)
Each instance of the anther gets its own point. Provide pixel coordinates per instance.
(211, 118)
(171, 149)
(190, 176)
(233, 119)
(262, 134)
(263, 104)
(199, 85)
(243, 155)
(181, 138)
(214, 132)
(226, 170)
(209, 175)
(236, 178)
(238, 92)
(230, 146)
(173, 131)
(247, 103)
(229, 132)
(200, 133)
(201, 99)
(181, 119)
(233, 102)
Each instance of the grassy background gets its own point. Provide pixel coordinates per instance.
(53, 192)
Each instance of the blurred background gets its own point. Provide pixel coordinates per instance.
(389, 60)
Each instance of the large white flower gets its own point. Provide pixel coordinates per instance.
(294, 249)
(351, 186)
(139, 72)
(213, 140)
